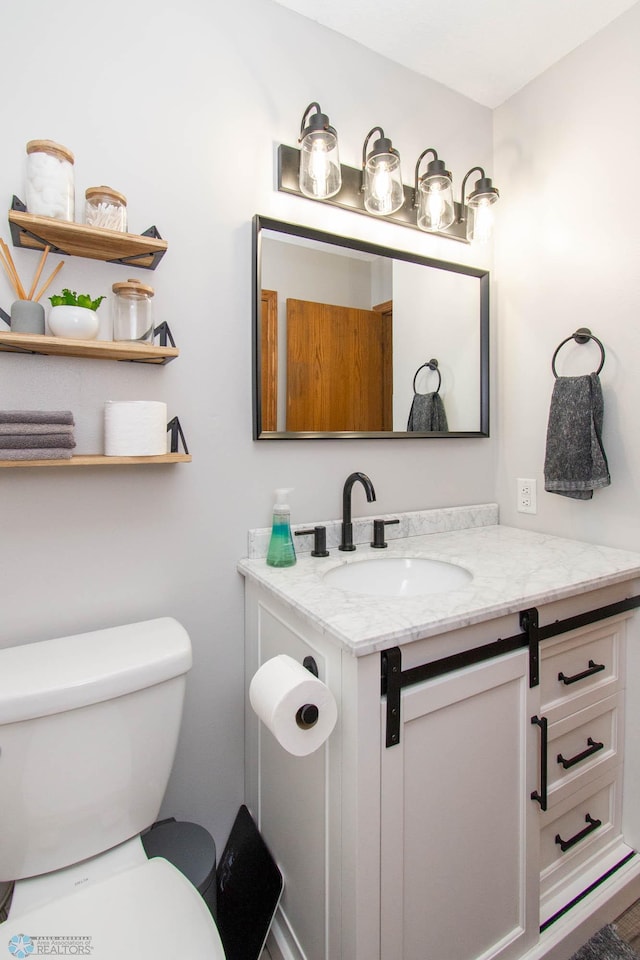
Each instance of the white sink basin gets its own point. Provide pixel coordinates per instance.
(397, 576)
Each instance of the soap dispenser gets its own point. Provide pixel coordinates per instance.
(281, 551)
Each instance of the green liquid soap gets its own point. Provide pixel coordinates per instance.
(281, 551)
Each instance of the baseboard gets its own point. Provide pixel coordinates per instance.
(567, 934)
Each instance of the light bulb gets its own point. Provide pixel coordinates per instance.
(381, 187)
(435, 210)
(384, 192)
(319, 168)
(480, 222)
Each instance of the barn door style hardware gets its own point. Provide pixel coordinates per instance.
(394, 679)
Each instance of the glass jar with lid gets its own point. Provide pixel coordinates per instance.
(105, 207)
(49, 182)
(133, 311)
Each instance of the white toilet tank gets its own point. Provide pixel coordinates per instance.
(88, 731)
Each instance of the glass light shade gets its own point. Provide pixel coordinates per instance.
(383, 189)
(320, 175)
(480, 217)
(436, 210)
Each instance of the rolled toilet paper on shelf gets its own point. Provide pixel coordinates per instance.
(135, 428)
(298, 709)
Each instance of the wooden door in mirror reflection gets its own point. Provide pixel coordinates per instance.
(269, 358)
(339, 368)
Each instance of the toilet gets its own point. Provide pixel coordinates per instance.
(88, 731)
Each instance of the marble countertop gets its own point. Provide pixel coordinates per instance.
(512, 569)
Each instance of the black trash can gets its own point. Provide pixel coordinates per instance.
(191, 849)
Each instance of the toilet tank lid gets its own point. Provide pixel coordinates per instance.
(51, 676)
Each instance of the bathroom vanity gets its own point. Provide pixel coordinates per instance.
(478, 797)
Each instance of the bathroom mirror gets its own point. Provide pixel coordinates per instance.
(354, 340)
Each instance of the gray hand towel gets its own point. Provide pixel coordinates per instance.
(427, 414)
(40, 453)
(36, 416)
(40, 440)
(575, 462)
(31, 429)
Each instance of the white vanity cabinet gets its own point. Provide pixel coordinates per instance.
(494, 818)
(456, 833)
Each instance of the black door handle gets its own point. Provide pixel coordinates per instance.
(591, 826)
(541, 797)
(593, 747)
(593, 668)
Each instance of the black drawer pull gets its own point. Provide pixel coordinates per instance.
(591, 826)
(593, 747)
(593, 668)
(541, 797)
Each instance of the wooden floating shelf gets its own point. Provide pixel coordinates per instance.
(98, 460)
(89, 349)
(79, 240)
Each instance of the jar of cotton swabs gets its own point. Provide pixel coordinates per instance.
(105, 207)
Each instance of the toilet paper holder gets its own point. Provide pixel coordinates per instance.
(307, 715)
(310, 664)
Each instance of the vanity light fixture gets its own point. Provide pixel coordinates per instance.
(381, 176)
(320, 175)
(376, 189)
(433, 194)
(479, 206)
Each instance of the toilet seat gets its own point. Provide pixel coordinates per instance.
(148, 912)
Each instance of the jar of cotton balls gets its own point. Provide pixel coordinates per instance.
(50, 190)
(105, 207)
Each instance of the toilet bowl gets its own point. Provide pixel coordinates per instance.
(88, 729)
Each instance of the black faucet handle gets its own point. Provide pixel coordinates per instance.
(378, 533)
(319, 540)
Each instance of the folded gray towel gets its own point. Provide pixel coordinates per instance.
(29, 453)
(575, 462)
(39, 440)
(427, 414)
(31, 429)
(36, 416)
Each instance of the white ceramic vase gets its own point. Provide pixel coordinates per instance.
(73, 323)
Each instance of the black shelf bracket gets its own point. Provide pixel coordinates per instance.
(163, 332)
(177, 435)
(17, 232)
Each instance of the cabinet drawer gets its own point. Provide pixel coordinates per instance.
(583, 746)
(579, 830)
(580, 668)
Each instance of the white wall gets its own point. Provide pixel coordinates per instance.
(181, 107)
(567, 161)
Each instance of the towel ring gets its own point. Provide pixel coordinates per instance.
(432, 365)
(582, 335)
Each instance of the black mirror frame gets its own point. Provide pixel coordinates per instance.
(261, 223)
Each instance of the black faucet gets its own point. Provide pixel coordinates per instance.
(347, 526)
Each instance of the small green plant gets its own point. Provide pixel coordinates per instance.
(70, 298)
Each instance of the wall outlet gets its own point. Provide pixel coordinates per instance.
(526, 500)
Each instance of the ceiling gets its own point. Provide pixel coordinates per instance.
(484, 49)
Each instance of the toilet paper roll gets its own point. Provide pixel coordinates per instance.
(299, 710)
(135, 428)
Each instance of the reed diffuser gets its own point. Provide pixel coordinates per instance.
(27, 314)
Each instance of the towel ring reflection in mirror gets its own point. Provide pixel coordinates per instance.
(582, 335)
(432, 365)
